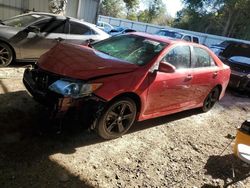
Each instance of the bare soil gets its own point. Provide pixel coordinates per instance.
(188, 149)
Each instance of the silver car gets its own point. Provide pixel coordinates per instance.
(26, 37)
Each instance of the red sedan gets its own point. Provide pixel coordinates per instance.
(125, 78)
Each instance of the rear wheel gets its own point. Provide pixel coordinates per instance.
(117, 118)
(211, 99)
(6, 55)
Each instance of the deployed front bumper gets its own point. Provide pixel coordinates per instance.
(37, 83)
(240, 81)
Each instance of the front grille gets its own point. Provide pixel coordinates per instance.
(43, 79)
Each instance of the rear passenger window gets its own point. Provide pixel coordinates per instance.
(195, 39)
(202, 58)
(80, 29)
(180, 57)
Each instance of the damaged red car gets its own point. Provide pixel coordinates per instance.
(127, 78)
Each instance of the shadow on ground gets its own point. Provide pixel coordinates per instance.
(227, 168)
(27, 140)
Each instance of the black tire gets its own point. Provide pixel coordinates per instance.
(211, 99)
(116, 118)
(6, 55)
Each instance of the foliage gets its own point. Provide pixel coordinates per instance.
(222, 17)
(131, 6)
(154, 12)
(112, 8)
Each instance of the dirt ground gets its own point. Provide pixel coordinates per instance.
(181, 150)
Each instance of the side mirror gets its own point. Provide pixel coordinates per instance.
(33, 29)
(166, 67)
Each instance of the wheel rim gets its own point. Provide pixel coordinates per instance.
(119, 117)
(5, 56)
(211, 99)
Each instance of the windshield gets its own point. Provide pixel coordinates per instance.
(170, 34)
(134, 49)
(23, 21)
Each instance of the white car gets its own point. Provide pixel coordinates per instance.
(26, 37)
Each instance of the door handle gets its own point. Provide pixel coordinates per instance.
(59, 39)
(188, 77)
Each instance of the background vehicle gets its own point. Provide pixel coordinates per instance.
(120, 30)
(28, 36)
(237, 56)
(128, 77)
(104, 26)
(218, 48)
(177, 35)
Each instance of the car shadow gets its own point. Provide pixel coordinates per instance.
(227, 168)
(27, 139)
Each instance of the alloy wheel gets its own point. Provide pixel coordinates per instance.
(119, 117)
(5, 55)
(211, 99)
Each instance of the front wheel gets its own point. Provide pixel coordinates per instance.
(6, 55)
(211, 99)
(117, 118)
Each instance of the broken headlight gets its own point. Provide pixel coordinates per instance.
(74, 89)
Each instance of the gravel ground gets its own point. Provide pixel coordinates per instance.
(180, 150)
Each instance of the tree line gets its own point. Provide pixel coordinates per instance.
(149, 11)
(230, 18)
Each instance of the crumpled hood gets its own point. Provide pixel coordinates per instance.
(81, 62)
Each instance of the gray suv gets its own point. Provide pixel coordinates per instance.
(26, 37)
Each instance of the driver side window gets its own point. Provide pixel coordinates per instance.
(179, 56)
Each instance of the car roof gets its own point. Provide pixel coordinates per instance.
(155, 37)
(165, 39)
(60, 17)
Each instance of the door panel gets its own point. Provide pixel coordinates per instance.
(204, 73)
(168, 91)
(204, 79)
(171, 91)
(35, 45)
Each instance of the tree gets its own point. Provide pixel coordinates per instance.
(131, 6)
(113, 8)
(223, 17)
(156, 8)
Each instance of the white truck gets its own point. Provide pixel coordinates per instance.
(177, 35)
